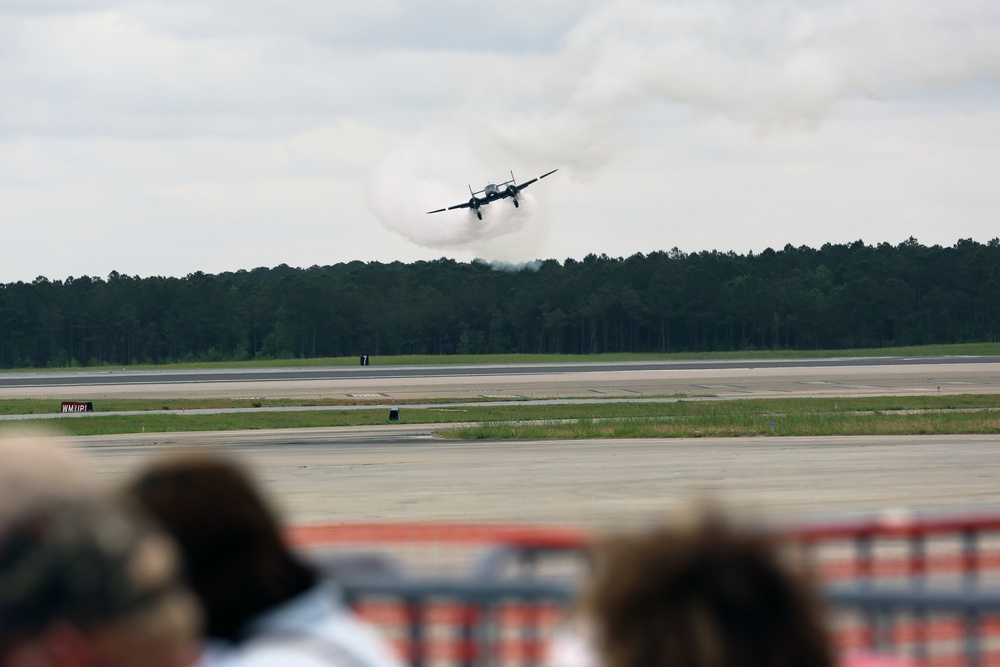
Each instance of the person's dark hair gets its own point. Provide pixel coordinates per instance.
(707, 596)
(234, 556)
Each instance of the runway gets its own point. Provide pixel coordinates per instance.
(817, 377)
(403, 473)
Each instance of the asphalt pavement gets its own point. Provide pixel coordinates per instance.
(403, 473)
(853, 376)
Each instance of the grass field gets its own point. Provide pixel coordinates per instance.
(737, 423)
(684, 418)
(41, 406)
(964, 349)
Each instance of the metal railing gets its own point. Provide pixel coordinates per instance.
(927, 589)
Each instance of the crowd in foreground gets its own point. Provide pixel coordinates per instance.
(185, 565)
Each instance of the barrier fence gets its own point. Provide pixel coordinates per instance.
(923, 588)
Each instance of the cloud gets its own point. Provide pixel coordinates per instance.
(781, 62)
(272, 133)
(141, 70)
(769, 67)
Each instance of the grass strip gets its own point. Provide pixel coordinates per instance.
(41, 406)
(880, 415)
(35, 406)
(687, 418)
(738, 426)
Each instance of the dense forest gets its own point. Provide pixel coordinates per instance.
(839, 296)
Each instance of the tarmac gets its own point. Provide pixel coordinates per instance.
(404, 473)
(401, 472)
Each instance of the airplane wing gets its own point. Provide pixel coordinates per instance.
(522, 186)
(449, 208)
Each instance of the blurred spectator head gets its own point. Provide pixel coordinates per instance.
(85, 581)
(233, 551)
(706, 595)
(37, 468)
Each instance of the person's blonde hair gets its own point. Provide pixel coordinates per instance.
(37, 467)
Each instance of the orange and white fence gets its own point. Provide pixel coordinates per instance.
(471, 594)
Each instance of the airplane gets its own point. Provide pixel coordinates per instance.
(493, 192)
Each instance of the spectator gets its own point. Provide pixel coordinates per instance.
(264, 605)
(85, 582)
(705, 596)
(35, 469)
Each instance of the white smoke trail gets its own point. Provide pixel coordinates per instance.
(766, 65)
(509, 267)
(430, 172)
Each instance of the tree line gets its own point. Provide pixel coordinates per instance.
(838, 296)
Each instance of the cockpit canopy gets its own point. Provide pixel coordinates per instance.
(490, 189)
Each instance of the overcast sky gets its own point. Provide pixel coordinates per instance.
(164, 137)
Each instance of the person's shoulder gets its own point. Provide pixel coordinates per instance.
(314, 629)
(287, 655)
(875, 660)
(572, 645)
(339, 637)
(314, 650)
(217, 654)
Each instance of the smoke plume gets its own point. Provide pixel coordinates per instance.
(768, 66)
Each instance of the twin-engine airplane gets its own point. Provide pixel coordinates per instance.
(493, 192)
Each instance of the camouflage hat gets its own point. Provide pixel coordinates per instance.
(88, 562)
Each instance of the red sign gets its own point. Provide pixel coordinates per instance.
(77, 406)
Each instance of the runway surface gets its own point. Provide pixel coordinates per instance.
(859, 376)
(403, 473)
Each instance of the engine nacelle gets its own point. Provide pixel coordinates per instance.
(474, 205)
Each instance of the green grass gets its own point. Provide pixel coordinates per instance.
(881, 415)
(739, 425)
(96, 424)
(41, 406)
(963, 349)
(686, 418)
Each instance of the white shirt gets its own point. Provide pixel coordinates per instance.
(313, 629)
